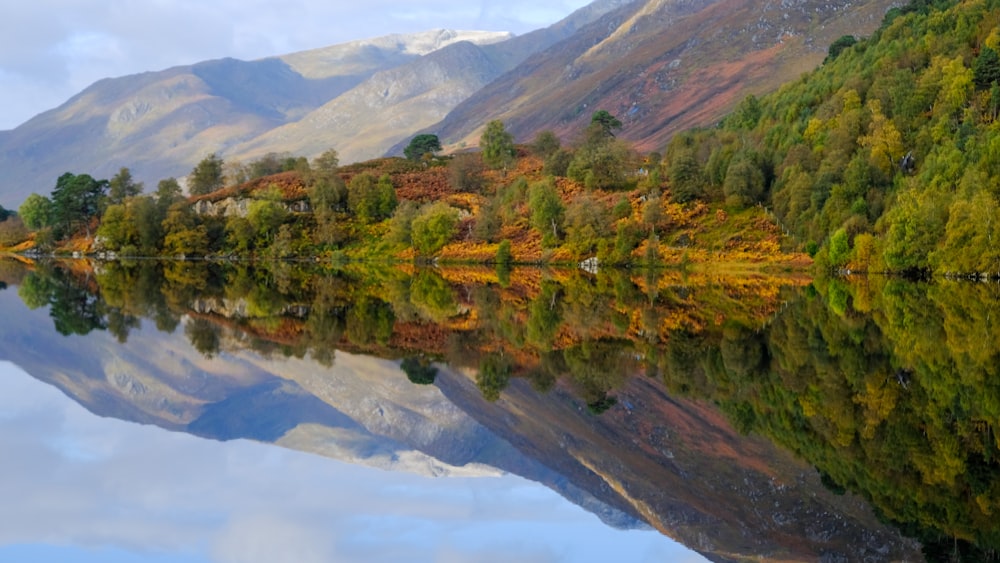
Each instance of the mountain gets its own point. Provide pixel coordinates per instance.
(160, 124)
(360, 98)
(661, 66)
(385, 109)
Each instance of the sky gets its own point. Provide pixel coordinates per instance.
(78, 488)
(52, 49)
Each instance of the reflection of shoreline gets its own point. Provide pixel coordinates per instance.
(81, 487)
(573, 334)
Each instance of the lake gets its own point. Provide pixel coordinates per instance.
(193, 411)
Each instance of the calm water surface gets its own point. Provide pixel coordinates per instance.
(200, 412)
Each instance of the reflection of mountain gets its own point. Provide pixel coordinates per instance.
(674, 464)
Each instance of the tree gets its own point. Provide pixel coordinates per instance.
(425, 143)
(433, 227)
(266, 214)
(417, 371)
(168, 192)
(370, 200)
(986, 68)
(547, 211)
(465, 171)
(493, 376)
(36, 211)
(206, 177)
(75, 200)
(497, 145)
(586, 223)
(843, 42)
(122, 186)
(604, 124)
(546, 143)
(326, 163)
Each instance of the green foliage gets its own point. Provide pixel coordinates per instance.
(839, 248)
(504, 255)
(206, 177)
(418, 372)
(557, 163)
(122, 186)
(493, 376)
(36, 211)
(824, 152)
(685, 174)
(425, 143)
(168, 192)
(433, 227)
(369, 199)
(547, 211)
(838, 46)
(182, 234)
(586, 224)
(986, 68)
(497, 145)
(76, 199)
(546, 144)
(605, 123)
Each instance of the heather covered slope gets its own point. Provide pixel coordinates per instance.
(662, 67)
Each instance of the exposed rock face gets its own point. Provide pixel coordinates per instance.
(240, 207)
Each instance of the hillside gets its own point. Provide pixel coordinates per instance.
(662, 67)
(884, 159)
(160, 124)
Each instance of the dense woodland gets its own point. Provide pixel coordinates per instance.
(884, 159)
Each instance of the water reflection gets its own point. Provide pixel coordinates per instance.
(82, 488)
(613, 390)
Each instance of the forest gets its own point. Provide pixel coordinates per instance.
(883, 160)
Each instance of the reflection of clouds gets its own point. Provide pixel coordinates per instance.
(70, 478)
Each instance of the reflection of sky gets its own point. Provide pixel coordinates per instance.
(79, 488)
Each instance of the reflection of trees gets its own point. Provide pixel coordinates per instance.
(370, 321)
(204, 336)
(418, 371)
(900, 406)
(73, 309)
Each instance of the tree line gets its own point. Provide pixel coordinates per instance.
(358, 206)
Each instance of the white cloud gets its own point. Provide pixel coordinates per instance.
(62, 46)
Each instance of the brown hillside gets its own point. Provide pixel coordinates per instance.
(662, 67)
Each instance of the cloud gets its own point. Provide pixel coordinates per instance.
(52, 49)
(69, 478)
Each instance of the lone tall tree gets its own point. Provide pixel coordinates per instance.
(497, 145)
(122, 186)
(425, 143)
(206, 176)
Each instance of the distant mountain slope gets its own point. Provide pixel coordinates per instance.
(662, 66)
(161, 123)
(388, 107)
